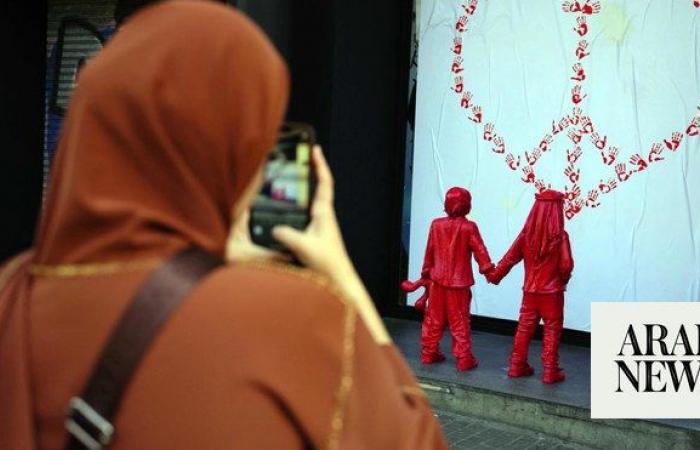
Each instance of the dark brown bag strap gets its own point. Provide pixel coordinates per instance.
(89, 416)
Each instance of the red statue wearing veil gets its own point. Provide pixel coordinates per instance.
(544, 247)
(447, 276)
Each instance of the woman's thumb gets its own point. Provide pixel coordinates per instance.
(291, 238)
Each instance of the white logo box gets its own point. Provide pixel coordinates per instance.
(617, 394)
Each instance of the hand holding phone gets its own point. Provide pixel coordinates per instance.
(288, 186)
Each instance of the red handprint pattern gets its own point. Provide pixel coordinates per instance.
(488, 132)
(581, 27)
(499, 145)
(575, 124)
(528, 174)
(675, 141)
(637, 160)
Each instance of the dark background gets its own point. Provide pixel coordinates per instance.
(349, 64)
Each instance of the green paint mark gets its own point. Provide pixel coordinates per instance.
(615, 22)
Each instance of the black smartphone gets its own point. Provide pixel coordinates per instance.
(288, 186)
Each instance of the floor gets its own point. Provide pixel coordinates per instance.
(472, 433)
(492, 350)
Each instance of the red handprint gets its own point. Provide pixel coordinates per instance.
(581, 49)
(466, 101)
(581, 26)
(696, 3)
(572, 174)
(471, 8)
(571, 6)
(512, 162)
(607, 187)
(457, 64)
(586, 125)
(556, 128)
(592, 200)
(637, 160)
(563, 123)
(477, 115)
(675, 142)
(655, 153)
(621, 171)
(575, 136)
(599, 142)
(573, 155)
(488, 132)
(573, 193)
(500, 145)
(591, 8)
(579, 73)
(610, 157)
(528, 174)
(576, 115)
(573, 208)
(457, 45)
(576, 94)
(545, 142)
(694, 127)
(540, 186)
(461, 24)
(459, 84)
(532, 158)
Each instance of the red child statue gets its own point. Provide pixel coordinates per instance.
(544, 247)
(447, 276)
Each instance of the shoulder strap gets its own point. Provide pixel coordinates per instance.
(89, 416)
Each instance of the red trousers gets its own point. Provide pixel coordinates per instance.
(447, 306)
(549, 308)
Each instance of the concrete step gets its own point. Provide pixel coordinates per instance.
(561, 410)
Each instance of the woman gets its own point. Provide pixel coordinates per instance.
(162, 149)
(543, 245)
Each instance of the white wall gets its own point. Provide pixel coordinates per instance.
(643, 83)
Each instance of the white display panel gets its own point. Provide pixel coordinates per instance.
(638, 242)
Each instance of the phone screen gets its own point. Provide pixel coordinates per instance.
(285, 197)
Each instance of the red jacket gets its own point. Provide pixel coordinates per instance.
(448, 255)
(547, 276)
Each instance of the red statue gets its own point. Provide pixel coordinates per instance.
(544, 247)
(447, 276)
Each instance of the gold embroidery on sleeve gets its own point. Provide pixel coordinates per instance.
(89, 269)
(413, 390)
(346, 378)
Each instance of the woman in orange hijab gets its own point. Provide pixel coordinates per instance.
(162, 149)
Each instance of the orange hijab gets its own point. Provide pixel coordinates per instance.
(165, 129)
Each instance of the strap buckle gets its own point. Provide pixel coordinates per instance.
(87, 425)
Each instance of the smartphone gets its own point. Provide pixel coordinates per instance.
(288, 186)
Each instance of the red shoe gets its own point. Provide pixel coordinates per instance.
(432, 358)
(525, 370)
(553, 376)
(467, 363)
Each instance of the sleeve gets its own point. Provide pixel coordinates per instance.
(338, 386)
(429, 258)
(566, 260)
(481, 254)
(386, 408)
(512, 257)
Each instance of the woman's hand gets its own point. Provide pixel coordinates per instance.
(240, 247)
(321, 248)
